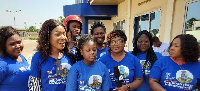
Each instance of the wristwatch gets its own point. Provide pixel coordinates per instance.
(128, 86)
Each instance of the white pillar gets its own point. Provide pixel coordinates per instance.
(168, 22)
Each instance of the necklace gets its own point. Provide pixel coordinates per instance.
(179, 63)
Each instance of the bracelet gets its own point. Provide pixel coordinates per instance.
(128, 86)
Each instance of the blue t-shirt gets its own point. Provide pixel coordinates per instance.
(14, 75)
(129, 68)
(53, 78)
(145, 85)
(174, 77)
(83, 77)
(100, 53)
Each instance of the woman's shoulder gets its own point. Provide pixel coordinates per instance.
(158, 55)
(65, 56)
(105, 55)
(106, 47)
(77, 66)
(37, 54)
(3, 62)
(129, 55)
(164, 60)
(37, 57)
(197, 64)
(99, 63)
(23, 57)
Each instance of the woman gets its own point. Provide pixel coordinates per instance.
(88, 74)
(180, 70)
(127, 64)
(50, 65)
(143, 50)
(73, 24)
(98, 31)
(14, 68)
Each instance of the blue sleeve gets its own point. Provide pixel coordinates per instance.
(106, 85)
(138, 69)
(158, 55)
(156, 70)
(102, 59)
(71, 84)
(2, 71)
(35, 65)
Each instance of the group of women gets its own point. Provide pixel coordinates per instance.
(66, 61)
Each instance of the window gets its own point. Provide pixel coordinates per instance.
(120, 25)
(192, 21)
(149, 22)
(78, 1)
(197, 28)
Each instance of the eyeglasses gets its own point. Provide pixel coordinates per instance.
(116, 42)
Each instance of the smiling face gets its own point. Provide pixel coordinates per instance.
(75, 27)
(58, 38)
(99, 35)
(175, 49)
(143, 43)
(89, 51)
(117, 45)
(14, 46)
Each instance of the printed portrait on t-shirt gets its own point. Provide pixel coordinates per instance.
(184, 76)
(142, 62)
(61, 73)
(146, 66)
(95, 81)
(123, 70)
(65, 69)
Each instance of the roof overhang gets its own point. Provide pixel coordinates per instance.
(105, 2)
(84, 9)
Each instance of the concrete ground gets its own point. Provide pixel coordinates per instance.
(29, 49)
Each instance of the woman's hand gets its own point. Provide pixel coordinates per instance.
(123, 88)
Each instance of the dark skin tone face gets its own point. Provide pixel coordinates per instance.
(99, 35)
(143, 43)
(89, 52)
(75, 27)
(157, 44)
(175, 49)
(58, 38)
(14, 46)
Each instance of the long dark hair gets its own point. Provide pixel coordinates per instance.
(151, 56)
(44, 40)
(69, 30)
(79, 45)
(189, 47)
